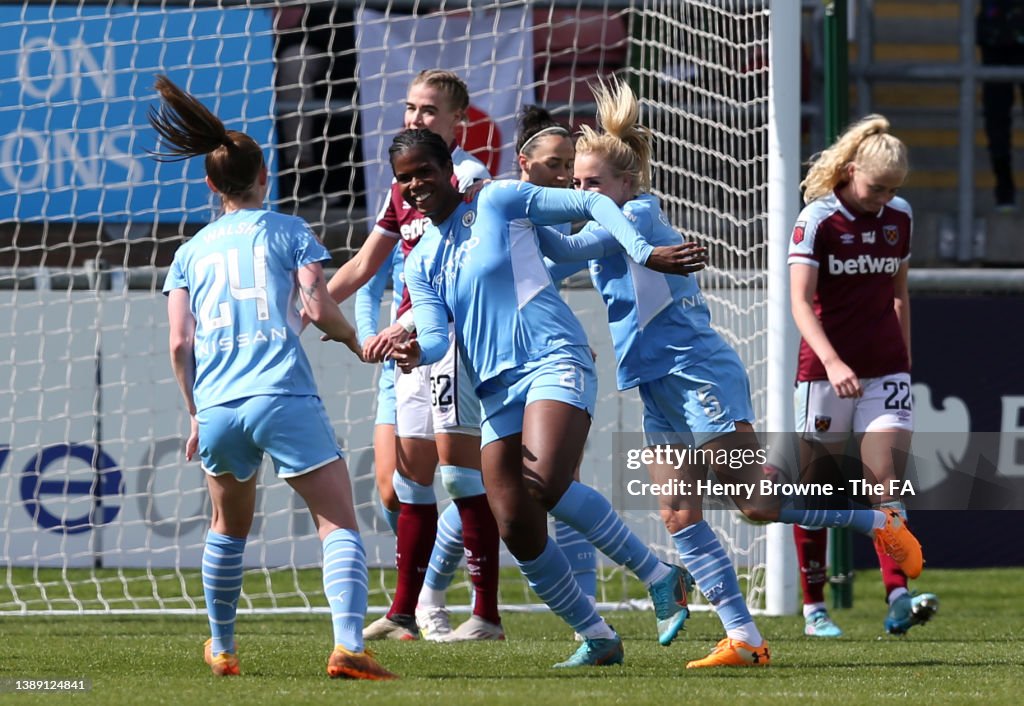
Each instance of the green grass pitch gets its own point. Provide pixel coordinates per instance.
(972, 652)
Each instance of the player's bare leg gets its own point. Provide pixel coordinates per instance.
(385, 461)
(884, 454)
(517, 469)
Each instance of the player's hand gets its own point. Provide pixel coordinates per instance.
(375, 349)
(407, 355)
(345, 333)
(192, 443)
(378, 348)
(843, 380)
(679, 259)
(474, 189)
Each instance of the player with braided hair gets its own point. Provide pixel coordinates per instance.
(479, 265)
(437, 418)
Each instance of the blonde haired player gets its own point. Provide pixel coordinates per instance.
(693, 385)
(848, 261)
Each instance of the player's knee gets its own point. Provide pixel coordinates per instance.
(460, 482)
(419, 471)
(513, 532)
(671, 517)
(544, 494)
(678, 518)
(668, 516)
(536, 491)
(547, 490)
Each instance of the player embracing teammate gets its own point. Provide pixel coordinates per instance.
(693, 385)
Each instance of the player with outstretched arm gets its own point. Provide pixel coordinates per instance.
(480, 266)
(692, 383)
(437, 419)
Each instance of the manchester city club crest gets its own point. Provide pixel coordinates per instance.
(468, 218)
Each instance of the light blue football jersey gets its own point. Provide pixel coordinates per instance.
(483, 268)
(240, 275)
(369, 296)
(659, 323)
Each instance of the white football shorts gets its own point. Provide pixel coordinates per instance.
(822, 415)
(437, 398)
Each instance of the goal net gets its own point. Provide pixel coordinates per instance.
(100, 513)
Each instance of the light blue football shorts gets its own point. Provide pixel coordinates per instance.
(563, 375)
(699, 403)
(293, 430)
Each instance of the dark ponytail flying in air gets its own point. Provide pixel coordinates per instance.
(233, 159)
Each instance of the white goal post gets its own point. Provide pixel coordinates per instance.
(98, 510)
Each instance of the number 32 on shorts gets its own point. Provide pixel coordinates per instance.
(441, 390)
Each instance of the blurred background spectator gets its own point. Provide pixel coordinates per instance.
(318, 120)
(1000, 36)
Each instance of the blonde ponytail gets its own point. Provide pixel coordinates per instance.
(622, 142)
(868, 144)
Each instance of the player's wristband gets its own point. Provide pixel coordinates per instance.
(407, 321)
